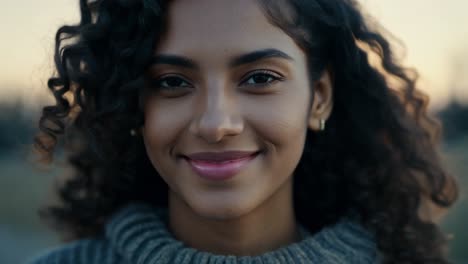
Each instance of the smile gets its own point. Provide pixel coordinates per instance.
(220, 170)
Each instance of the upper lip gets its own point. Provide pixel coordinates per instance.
(220, 156)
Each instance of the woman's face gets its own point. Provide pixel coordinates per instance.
(225, 79)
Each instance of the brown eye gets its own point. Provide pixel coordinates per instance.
(169, 83)
(261, 78)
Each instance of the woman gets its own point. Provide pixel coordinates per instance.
(240, 131)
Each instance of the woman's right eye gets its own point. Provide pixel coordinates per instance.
(169, 83)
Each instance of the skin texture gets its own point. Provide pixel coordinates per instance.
(216, 107)
(377, 156)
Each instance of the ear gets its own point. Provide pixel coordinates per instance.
(322, 103)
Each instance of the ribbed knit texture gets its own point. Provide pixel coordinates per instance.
(138, 234)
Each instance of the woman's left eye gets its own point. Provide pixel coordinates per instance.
(261, 78)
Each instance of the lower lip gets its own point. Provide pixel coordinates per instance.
(220, 171)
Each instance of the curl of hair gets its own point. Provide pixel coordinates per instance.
(377, 157)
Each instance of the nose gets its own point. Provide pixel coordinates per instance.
(217, 118)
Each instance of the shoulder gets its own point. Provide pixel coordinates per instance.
(85, 251)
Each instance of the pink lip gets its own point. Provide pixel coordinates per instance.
(220, 169)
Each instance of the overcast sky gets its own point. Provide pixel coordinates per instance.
(435, 33)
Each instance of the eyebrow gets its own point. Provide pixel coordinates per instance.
(250, 57)
(174, 60)
(258, 55)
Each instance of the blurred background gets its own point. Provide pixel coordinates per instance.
(434, 32)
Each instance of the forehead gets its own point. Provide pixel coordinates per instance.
(221, 26)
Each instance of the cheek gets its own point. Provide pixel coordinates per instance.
(279, 119)
(163, 122)
(282, 127)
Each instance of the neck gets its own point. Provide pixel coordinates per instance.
(268, 227)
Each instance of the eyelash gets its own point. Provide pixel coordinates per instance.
(156, 82)
(267, 73)
(270, 74)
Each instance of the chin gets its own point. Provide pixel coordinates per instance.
(222, 211)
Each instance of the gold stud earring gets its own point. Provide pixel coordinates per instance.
(322, 125)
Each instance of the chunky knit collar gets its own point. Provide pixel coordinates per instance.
(140, 235)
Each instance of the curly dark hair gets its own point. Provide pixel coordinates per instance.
(378, 155)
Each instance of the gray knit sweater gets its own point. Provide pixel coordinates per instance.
(138, 234)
